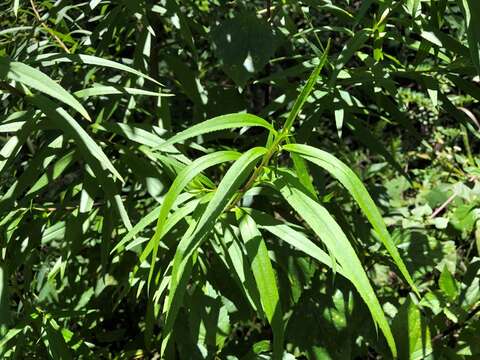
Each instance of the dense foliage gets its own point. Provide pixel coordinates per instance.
(239, 180)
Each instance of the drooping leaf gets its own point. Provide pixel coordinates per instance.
(327, 229)
(143, 223)
(471, 11)
(102, 90)
(235, 176)
(54, 58)
(295, 238)
(265, 278)
(68, 124)
(356, 188)
(181, 181)
(31, 77)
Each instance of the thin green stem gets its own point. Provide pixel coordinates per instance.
(258, 170)
(285, 132)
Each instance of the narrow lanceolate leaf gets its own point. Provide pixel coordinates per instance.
(355, 43)
(295, 238)
(177, 216)
(181, 181)
(37, 80)
(218, 123)
(11, 335)
(307, 89)
(264, 277)
(54, 173)
(53, 338)
(102, 90)
(55, 58)
(302, 171)
(16, 5)
(232, 255)
(5, 312)
(355, 187)
(471, 10)
(68, 124)
(235, 176)
(327, 229)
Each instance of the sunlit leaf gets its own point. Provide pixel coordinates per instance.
(327, 229)
(356, 188)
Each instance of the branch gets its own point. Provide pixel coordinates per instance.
(455, 327)
(50, 31)
(443, 206)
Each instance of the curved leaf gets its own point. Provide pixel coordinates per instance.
(101, 90)
(264, 277)
(234, 177)
(56, 58)
(180, 182)
(355, 187)
(218, 123)
(68, 124)
(144, 222)
(327, 229)
(30, 77)
(293, 237)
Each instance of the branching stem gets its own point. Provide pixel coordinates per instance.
(50, 31)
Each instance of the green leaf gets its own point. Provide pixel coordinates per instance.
(431, 37)
(355, 43)
(101, 90)
(355, 187)
(218, 123)
(448, 284)
(306, 90)
(326, 228)
(56, 171)
(142, 224)
(54, 341)
(36, 169)
(232, 255)
(14, 144)
(295, 238)
(264, 277)
(9, 336)
(72, 128)
(5, 312)
(181, 181)
(93, 3)
(411, 332)
(365, 136)
(37, 80)
(177, 216)
(234, 177)
(16, 5)
(55, 58)
(471, 10)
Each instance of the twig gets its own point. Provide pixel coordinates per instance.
(50, 31)
(471, 116)
(256, 173)
(443, 206)
(458, 326)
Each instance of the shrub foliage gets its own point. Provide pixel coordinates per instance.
(240, 180)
